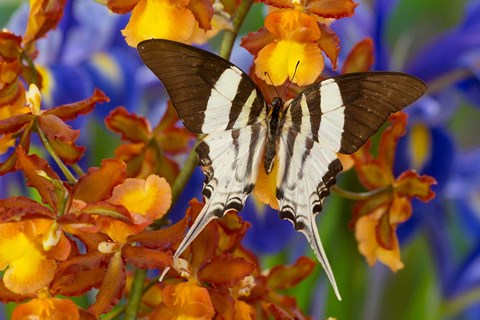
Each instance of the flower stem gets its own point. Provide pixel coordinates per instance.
(136, 293)
(452, 307)
(70, 177)
(25, 57)
(78, 170)
(448, 79)
(114, 314)
(360, 195)
(184, 174)
(230, 35)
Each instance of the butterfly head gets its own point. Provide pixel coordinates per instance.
(276, 105)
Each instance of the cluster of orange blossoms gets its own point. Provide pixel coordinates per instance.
(82, 233)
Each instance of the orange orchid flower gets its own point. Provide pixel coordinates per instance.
(149, 151)
(51, 123)
(292, 41)
(376, 219)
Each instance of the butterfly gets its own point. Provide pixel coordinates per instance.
(214, 97)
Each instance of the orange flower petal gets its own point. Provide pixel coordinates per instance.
(266, 185)
(47, 308)
(119, 231)
(61, 138)
(159, 19)
(243, 311)
(150, 198)
(400, 210)
(279, 3)
(410, 184)
(44, 15)
(283, 277)
(280, 60)
(113, 283)
(145, 258)
(255, 41)
(121, 6)
(330, 43)
(360, 59)
(225, 270)
(385, 232)
(293, 25)
(189, 301)
(370, 248)
(331, 8)
(73, 110)
(132, 127)
(161, 239)
(31, 164)
(372, 174)
(203, 12)
(98, 183)
(390, 137)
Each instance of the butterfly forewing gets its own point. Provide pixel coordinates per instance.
(346, 110)
(209, 93)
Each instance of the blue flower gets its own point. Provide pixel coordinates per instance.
(84, 52)
(450, 65)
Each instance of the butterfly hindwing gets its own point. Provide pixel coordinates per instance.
(209, 93)
(307, 171)
(231, 159)
(344, 111)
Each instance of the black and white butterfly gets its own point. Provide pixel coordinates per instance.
(214, 97)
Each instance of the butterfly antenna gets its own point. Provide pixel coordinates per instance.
(274, 87)
(293, 77)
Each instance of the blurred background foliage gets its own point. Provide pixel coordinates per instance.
(441, 243)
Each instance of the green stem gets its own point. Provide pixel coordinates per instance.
(360, 195)
(25, 57)
(452, 307)
(230, 35)
(78, 170)
(448, 79)
(184, 174)
(136, 292)
(114, 314)
(70, 177)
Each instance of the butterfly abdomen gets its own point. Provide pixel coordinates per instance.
(274, 128)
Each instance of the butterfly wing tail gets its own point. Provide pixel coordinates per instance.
(311, 233)
(204, 217)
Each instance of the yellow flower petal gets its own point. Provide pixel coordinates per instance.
(280, 61)
(159, 19)
(28, 268)
(150, 198)
(34, 99)
(266, 185)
